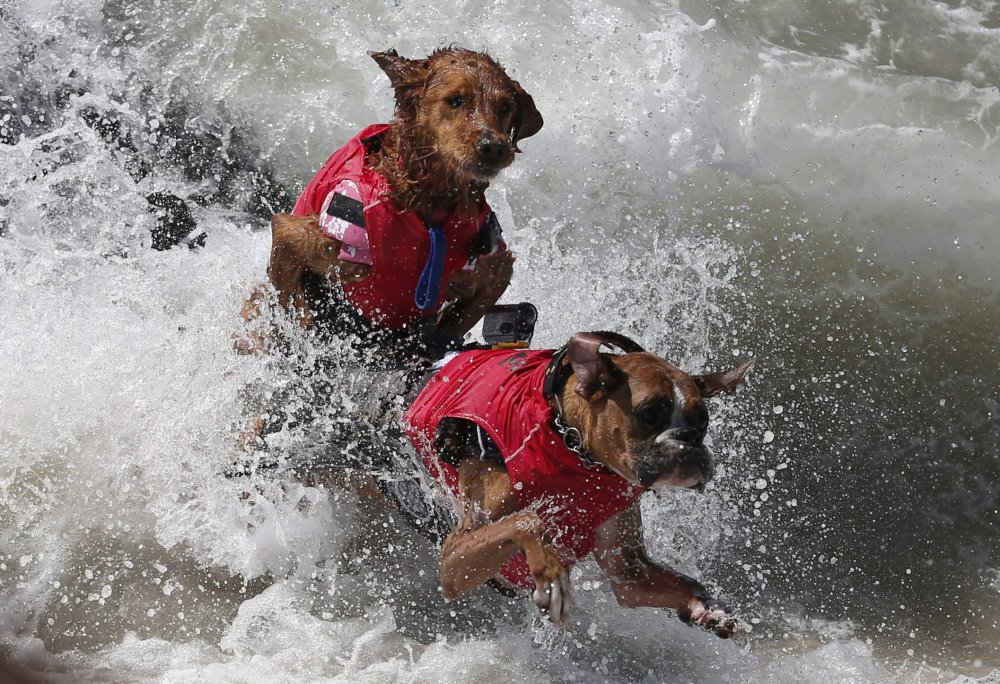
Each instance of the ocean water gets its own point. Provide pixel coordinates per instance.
(811, 184)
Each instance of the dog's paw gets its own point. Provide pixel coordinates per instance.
(494, 271)
(551, 577)
(461, 286)
(710, 614)
(488, 280)
(552, 598)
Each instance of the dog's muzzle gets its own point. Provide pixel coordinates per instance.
(492, 155)
(674, 458)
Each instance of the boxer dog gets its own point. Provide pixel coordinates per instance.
(548, 452)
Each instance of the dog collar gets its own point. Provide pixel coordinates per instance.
(555, 375)
(571, 436)
(573, 440)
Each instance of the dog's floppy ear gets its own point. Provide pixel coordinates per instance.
(723, 381)
(528, 121)
(593, 371)
(402, 72)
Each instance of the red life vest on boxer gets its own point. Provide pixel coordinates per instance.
(501, 392)
(398, 240)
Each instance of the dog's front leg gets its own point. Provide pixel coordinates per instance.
(251, 340)
(637, 581)
(292, 253)
(474, 292)
(490, 532)
(299, 246)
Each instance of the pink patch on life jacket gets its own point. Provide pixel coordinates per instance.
(354, 246)
(353, 239)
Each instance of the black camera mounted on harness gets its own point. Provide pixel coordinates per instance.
(510, 326)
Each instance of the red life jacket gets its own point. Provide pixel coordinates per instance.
(501, 391)
(398, 241)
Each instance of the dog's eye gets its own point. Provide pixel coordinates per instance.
(703, 421)
(455, 101)
(653, 415)
(505, 108)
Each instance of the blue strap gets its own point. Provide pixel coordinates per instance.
(429, 284)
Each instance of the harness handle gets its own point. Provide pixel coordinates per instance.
(429, 285)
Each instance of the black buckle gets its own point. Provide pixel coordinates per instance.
(488, 237)
(348, 209)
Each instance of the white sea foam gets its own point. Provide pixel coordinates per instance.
(676, 144)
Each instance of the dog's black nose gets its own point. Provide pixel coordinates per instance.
(490, 150)
(686, 435)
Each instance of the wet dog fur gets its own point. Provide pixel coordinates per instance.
(644, 419)
(458, 120)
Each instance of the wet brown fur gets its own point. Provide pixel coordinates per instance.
(493, 526)
(429, 153)
(450, 107)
